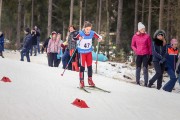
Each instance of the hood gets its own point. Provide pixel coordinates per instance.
(159, 31)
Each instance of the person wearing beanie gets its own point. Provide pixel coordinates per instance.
(52, 50)
(27, 43)
(171, 60)
(1, 44)
(158, 52)
(141, 45)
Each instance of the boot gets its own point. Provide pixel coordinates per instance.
(81, 85)
(90, 81)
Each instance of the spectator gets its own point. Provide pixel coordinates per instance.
(27, 43)
(141, 45)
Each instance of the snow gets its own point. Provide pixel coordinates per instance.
(38, 92)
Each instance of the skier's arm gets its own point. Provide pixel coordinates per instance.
(99, 37)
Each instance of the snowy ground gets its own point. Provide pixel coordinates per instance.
(38, 92)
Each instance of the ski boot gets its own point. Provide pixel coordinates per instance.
(90, 81)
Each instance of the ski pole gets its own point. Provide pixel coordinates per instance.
(97, 56)
(70, 58)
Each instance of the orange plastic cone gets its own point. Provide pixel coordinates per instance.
(5, 79)
(80, 103)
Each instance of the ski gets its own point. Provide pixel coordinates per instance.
(95, 87)
(84, 90)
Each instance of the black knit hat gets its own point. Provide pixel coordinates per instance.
(27, 30)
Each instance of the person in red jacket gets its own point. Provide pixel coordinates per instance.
(142, 46)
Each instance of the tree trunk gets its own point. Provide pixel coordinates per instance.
(99, 30)
(149, 17)
(168, 21)
(136, 16)
(119, 25)
(32, 14)
(161, 14)
(71, 12)
(49, 17)
(97, 13)
(80, 15)
(142, 17)
(178, 22)
(99, 22)
(0, 12)
(107, 29)
(85, 8)
(18, 25)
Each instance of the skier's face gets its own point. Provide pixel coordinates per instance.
(87, 30)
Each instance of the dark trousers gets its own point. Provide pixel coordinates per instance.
(53, 61)
(171, 83)
(65, 60)
(35, 49)
(142, 59)
(81, 73)
(25, 52)
(159, 68)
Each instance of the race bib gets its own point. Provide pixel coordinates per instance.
(85, 44)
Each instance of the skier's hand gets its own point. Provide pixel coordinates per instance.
(99, 39)
(80, 38)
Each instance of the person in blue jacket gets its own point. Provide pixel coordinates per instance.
(158, 53)
(171, 60)
(1, 44)
(27, 43)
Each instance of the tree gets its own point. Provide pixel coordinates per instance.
(142, 17)
(161, 11)
(107, 29)
(99, 29)
(0, 12)
(119, 25)
(71, 12)
(136, 16)
(80, 14)
(149, 16)
(18, 25)
(49, 17)
(32, 14)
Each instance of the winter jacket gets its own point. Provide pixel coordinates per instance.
(141, 44)
(171, 57)
(1, 42)
(34, 38)
(158, 49)
(53, 46)
(27, 42)
(72, 40)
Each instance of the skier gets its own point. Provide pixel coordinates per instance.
(171, 60)
(141, 45)
(159, 51)
(85, 49)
